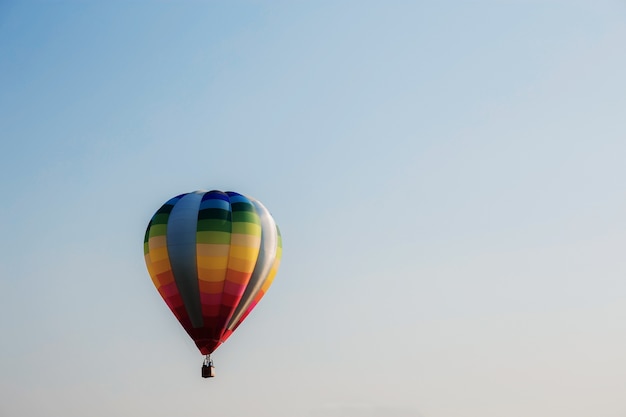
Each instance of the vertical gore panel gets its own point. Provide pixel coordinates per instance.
(264, 288)
(244, 251)
(265, 260)
(213, 249)
(158, 262)
(181, 245)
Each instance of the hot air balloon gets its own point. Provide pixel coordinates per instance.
(212, 255)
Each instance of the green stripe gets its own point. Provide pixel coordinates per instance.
(158, 230)
(242, 207)
(160, 218)
(146, 236)
(247, 228)
(280, 238)
(165, 209)
(216, 238)
(246, 216)
(214, 225)
(213, 213)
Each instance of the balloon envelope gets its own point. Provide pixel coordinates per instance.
(212, 255)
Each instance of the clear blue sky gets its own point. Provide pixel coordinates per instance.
(448, 178)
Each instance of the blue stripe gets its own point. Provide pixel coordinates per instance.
(173, 200)
(215, 200)
(237, 198)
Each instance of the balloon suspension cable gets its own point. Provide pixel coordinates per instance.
(208, 361)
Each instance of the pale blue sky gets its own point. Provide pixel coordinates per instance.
(448, 178)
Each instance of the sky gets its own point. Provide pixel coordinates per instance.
(448, 178)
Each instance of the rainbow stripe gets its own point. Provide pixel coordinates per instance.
(212, 256)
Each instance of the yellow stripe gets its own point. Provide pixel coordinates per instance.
(241, 265)
(244, 252)
(158, 254)
(149, 263)
(212, 262)
(273, 270)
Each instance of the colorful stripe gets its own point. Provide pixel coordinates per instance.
(266, 285)
(266, 256)
(212, 255)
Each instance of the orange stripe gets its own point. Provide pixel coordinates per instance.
(211, 287)
(161, 266)
(164, 278)
(237, 277)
